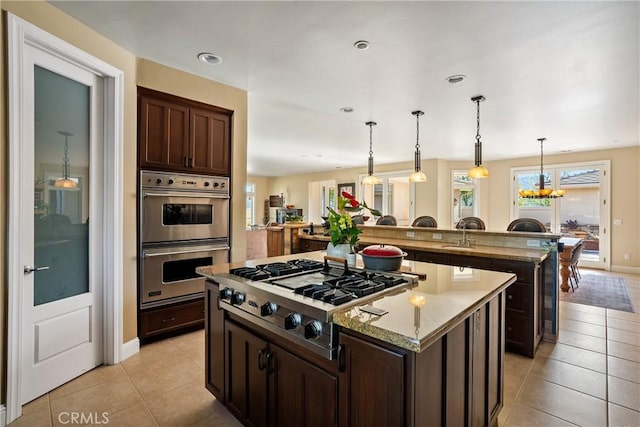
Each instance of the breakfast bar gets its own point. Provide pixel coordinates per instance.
(431, 346)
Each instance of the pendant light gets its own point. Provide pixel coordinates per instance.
(541, 192)
(417, 175)
(370, 179)
(65, 182)
(478, 171)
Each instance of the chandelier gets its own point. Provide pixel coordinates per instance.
(65, 182)
(478, 171)
(417, 175)
(541, 192)
(370, 179)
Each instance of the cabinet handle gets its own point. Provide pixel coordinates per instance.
(341, 364)
(170, 319)
(190, 162)
(261, 365)
(218, 302)
(186, 162)
(510, 296)
(269, 363)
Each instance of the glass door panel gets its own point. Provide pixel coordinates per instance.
(61, 236)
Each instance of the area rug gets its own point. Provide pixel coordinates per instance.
(601, 291)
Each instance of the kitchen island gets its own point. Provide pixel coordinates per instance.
(433, 355)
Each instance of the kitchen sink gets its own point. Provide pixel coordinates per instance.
(460, 248)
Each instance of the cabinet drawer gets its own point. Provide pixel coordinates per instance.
(471, 262)
(519, 298)
(519, 334)
(523, 270)
(157, 321)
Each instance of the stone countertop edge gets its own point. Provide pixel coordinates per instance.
(349, 319)
(495, 252)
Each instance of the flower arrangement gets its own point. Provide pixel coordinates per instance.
(343, 229)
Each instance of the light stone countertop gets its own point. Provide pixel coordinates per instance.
(450, 295)
(494, 252)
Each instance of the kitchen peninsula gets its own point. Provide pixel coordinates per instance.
(428, 351)
(532, 301)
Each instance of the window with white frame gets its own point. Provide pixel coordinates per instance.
(251, 203)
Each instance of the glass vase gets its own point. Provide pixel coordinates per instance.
(339, 251)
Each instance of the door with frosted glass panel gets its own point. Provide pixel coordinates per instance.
(62, 314)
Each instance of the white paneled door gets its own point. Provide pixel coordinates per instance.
(61, 313)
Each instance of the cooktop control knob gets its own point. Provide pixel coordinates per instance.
(158, 181)
(312, 329)
(226, 293)
(206, 183)
(170, 182)
(267, 309)
(215, 184)
(292, 321)
(237, 298)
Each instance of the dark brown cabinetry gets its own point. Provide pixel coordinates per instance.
(456, 381)
(307, 245)
(171, 318)
(372, 384)
(177, 134)
(215, 343)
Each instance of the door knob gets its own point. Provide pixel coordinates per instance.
(30, 269)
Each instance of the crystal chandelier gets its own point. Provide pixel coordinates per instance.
(541, 192)
(478, 171)
(370, 179)
(417, 175)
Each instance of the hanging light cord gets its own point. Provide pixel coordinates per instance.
(418, 132)
(478, 153)
(371, 138)
(541, 182)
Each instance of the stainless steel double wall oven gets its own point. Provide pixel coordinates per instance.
(184, 224)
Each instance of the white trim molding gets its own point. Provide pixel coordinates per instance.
(20, 35)
(625, 269)
(130, 348)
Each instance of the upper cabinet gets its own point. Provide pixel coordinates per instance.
(177, 134)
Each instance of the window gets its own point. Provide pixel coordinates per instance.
(464, 196)
(251, 202)
(391, 197)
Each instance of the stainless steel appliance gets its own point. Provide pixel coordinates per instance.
(184, 224)
(296, 299)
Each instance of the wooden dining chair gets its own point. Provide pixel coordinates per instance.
(527, 224)
(575, 276)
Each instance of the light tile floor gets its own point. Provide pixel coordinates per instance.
(591, 378)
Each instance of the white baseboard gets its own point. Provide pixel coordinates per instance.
(130, 348)
(624, 269)
(3, 416)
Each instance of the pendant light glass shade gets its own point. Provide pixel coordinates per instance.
(370, 179)
(417, 175)
(541, 192)
(65, 182)
(478, 171)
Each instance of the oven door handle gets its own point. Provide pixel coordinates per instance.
(224, 248)
(189, 195)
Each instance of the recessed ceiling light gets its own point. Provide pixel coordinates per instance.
(210, 58)
(456, 78)
(347, 109)
(361, 45)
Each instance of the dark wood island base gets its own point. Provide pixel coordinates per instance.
(447, 372)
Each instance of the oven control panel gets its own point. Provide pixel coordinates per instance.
(183, 182)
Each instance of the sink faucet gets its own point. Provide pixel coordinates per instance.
(464, 243)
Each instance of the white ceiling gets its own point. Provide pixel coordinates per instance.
(568, 71)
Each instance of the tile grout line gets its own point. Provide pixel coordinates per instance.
(144, 402)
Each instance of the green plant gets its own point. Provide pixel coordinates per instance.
(343, 229)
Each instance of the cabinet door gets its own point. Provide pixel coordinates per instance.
(210, 142)
(163, 130)
(372, 384)
(275, 242)
(246, 391)
(214, 350)
(300, 393)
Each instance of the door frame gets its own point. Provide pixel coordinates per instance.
(604, 204)
(20, 34)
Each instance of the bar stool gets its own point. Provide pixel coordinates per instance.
(575, 276)
(471, 223)
(527, 224)
(387, 220)
(425, 221)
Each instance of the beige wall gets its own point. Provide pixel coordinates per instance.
(434, 196)
(136, 72)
